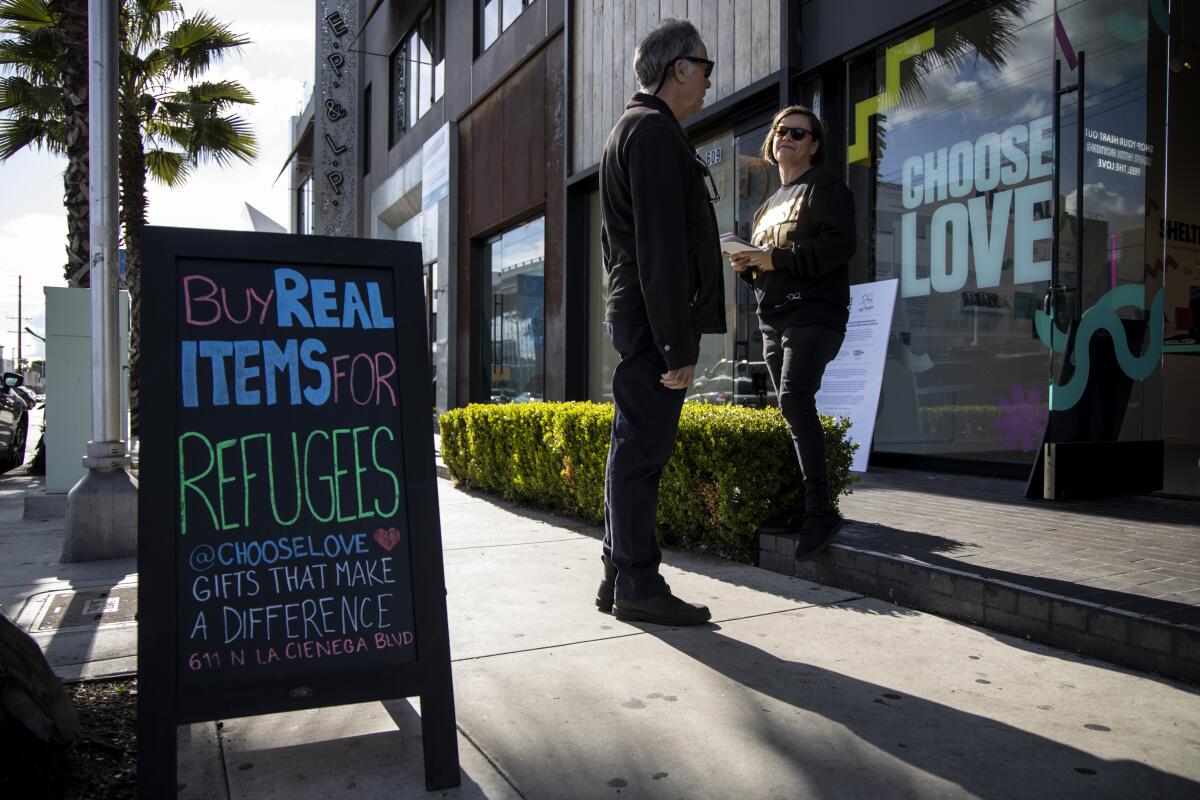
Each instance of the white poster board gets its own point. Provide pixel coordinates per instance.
(854, 378)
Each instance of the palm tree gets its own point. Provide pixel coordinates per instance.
(46, 99)
(167, 126)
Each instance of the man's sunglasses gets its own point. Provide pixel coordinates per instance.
(708, 69)
(796, 134)
(708, 64)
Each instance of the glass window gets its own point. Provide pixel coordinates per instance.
(495, 17)
(514, 313)
(757, 179)
(953, 188)
(716, 375)
(491, 23)
(418, 71)
(602, 359)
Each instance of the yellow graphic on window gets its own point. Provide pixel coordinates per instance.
(860, 151)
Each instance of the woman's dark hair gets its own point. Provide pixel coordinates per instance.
(818, 133)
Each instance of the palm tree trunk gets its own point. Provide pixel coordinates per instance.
(132, 170)
(73, 64)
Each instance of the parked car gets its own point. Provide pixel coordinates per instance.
(14, 422)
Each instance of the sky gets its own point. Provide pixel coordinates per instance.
(277, 67)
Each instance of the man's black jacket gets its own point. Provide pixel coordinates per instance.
(661, 245)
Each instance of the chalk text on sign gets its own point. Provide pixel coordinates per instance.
(323, 476)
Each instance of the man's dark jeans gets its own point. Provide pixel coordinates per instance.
(796, 359)
(643, 434)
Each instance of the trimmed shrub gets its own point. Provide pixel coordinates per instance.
(733, 467)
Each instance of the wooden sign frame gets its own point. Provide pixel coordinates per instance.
(162, 704)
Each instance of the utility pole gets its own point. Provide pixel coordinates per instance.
(20, 324)
(102, 507)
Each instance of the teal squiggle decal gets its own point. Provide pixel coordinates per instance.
(1103, 316)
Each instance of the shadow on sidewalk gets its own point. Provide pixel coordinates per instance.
(934, 738)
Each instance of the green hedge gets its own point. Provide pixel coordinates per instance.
(732, 468)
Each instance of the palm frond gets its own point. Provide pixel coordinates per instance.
(198, 42)
(25, 15)
(20, 132)
(168, 167)
(29, 99)
(144, 21)
(222, 139)
(212, 94)
(33, 55)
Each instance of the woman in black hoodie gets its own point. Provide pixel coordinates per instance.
(801, 280)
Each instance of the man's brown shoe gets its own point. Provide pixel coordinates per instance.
(664, 609)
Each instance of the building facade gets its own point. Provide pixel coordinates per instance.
(481, 128)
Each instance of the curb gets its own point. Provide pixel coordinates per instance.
(1139, 641)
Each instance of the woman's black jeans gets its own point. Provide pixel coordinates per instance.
(796, 359)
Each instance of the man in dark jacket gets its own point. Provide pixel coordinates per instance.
(662, 254)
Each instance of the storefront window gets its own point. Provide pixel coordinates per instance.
(514, 312)
(952, 175)
(715, 378)
(602, 359)
(757, 179)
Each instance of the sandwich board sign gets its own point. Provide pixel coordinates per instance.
(289, 548)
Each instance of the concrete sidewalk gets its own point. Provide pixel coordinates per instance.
(795, 691)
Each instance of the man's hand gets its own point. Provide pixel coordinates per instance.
(678, 378)
(759, 260)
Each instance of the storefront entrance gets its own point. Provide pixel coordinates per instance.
(1010, 333)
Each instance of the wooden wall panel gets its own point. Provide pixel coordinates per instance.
(580, 134)
(777, 36)
(743, 43)
(616, 70)
(742, 36)
(726, 50)
(631, 40)
(595, 111)
(762, 38)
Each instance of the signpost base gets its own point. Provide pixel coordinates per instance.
(102, 507)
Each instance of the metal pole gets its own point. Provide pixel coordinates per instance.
(102, 506)
(20, 322)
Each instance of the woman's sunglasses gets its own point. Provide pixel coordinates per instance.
(796, 134)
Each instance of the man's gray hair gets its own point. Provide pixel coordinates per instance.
(662, 47)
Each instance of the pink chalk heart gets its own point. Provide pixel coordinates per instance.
(388, 538)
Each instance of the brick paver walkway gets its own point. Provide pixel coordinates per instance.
(1140, 554)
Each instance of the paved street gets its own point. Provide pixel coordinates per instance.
(795, 691)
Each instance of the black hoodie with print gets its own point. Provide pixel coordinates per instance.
(810, 224)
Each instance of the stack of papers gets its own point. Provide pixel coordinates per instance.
(732, 243)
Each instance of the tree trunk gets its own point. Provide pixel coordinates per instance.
(132, 170)
(73, 64)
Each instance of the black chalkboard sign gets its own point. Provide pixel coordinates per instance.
(289, 550)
